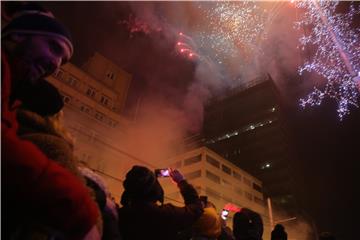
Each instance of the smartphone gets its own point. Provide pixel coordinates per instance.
(224, 214)
(162, 172)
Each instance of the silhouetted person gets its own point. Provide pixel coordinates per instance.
(34, 44)
(144, 216)
(278, 233)
(247, 225)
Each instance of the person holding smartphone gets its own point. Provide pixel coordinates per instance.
(143, 214)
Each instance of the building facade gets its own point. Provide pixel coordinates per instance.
(248, 128)
(93, 103)
(218, 179)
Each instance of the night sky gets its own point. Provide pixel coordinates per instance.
(328, 150)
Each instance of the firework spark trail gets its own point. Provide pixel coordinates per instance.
(330, 29)
(337, 55)
(234, 28)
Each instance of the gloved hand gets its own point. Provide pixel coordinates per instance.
(176, 176)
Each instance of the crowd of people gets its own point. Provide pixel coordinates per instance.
(47, 193)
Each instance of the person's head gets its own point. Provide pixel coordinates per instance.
(247, 225)
(278, 233)
(209, 224)
(36, 45)
(141, 185)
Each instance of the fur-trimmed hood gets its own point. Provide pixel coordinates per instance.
(51, 141)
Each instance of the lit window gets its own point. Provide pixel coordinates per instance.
(252, 127)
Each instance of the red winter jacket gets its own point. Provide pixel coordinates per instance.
(34, 185)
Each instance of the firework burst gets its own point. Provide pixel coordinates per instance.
(337, 53)
(234, 28)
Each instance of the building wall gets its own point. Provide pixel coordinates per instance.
(111, 76)
(220, 180)
(95, 123)
(248, 129)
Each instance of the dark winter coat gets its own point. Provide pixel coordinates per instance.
(34, 185)
(147, 220)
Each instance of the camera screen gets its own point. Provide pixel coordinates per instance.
(224, 214)
(162, 172)
(165, 172)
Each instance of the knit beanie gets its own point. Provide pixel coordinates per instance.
(141, 185)
(38, 23)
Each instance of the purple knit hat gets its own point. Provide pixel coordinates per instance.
(33, 22)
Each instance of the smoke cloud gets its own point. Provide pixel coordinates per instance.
(168, 88)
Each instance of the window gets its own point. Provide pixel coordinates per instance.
(226, 169)
(104, 100)
(258, 200)
(84, 108)
(226, 183)
(237, 176)
(212, 193)
(257, 187)
(212, 161)
(99, 116)
(66, 99)
(213, 177)
(247, 181)
(72, 81)
(59, 74)
(193, 175)
(248, 196)
(91, 92)
(110, 75)
(192, 160)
